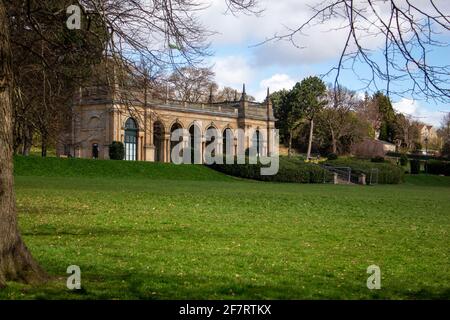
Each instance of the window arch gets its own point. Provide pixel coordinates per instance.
(94, 122)
(175, 126)
(131, 124)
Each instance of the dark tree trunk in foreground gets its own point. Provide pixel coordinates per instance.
(16, 262)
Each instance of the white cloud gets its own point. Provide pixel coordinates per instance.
(232, 71)
(417, 111)
(322, 42)
(275, 83)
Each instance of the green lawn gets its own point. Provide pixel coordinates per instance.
(186, 232)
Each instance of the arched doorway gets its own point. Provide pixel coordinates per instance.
(257, 140)
(95, 151)
(158, 138)
(131, 140)
(195, 141)
(174, 127)
(210, 137)
(258, 143)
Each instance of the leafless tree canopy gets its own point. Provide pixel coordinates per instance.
(130, 32)
(409, 32)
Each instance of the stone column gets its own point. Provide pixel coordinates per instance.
(219, 146)
(166, 148)
(202, 149)
(149, 148)
(362, 179)
(335, 178)
(150, 153)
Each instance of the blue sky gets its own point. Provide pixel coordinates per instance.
(280, 65)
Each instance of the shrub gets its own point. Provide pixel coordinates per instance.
(332, 156)
(403, 160)
(446, 149)
(377, 159)
(438, 167)
(415, 166)
(116, 151)
(387, 173)
(290, 170)
(415, 156)
(417, 147)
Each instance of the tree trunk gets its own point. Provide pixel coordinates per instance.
(16, 262)
(18, 137)
(27, 140)
(311, 128)
(43, 145)
(290, 143)
(333, 141)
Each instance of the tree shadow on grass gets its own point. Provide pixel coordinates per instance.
(151, 286)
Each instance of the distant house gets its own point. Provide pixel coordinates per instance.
(372, 148)
(427, 132)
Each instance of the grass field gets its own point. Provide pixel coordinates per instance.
(191, 233)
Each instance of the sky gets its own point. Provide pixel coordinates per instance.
(239, 57)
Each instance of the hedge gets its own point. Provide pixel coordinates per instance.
(290, 170)
(415, 156)
(415, 166)
(116, 150)
(387, 173)
(404, 160)
(438, 167)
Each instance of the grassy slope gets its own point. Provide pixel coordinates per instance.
(223, 238)
(54, 167)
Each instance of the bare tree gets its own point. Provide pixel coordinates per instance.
(335, 116)
(193, 84)
(368, 110)
(227, 94)
(16, 262)
(445, 127)
(408, 30)
(161, 32)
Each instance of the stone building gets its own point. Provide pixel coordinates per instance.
(144, 124)
(427, 133)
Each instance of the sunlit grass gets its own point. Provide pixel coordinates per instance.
(229, 239)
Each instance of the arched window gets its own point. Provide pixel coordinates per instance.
(131, 140)
(195, 136)
(174, 127)
(257, 142)
(131, 124)
(210, 137)
(228, 142)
